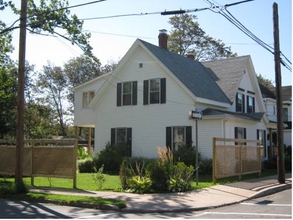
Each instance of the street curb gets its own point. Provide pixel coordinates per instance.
(264, 192)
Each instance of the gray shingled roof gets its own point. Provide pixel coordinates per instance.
(200, 80)
(230, 72)
(252, 116)
(266, 92)
(286, 93)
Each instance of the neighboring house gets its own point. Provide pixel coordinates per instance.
(145, 102)
(269, 98)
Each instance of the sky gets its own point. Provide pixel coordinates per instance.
(113, 36)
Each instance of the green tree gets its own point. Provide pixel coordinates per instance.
(52, 89)
(187, 36)
(266, 82)
(8, 94)
(5, 47)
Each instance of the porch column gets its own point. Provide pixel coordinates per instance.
(89, 149)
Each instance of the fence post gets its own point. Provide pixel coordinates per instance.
(240, 162)
(214, 160)
(32, 166)
(259, 157)
(74, 156)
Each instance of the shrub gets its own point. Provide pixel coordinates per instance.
(111, 157)
(180, 179)
(82, 154)
(185, 154)
(158, 174)
(6, 188)
(139, 184)
(179, 185)
(205, 166)
(86, 165)
(99, 177)
(125, 174)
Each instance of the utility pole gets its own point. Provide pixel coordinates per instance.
(278, 79)
(20, 100)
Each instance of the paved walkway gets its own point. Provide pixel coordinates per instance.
(216, 196)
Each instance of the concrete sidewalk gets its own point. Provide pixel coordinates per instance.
(216, 196)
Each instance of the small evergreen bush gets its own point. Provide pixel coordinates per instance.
(112, 157)
(86, 165)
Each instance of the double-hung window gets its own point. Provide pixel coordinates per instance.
(250, 104)
(178, 136)
(240, 102)
(240, 133)
(122, 137)
(154, 91)
(127, 93)
(285, 114)
(87, 97)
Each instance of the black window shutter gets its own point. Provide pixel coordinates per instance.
(168, 137)
(119, 90)
(243, 103)
(145, 92)
(236, 134)
(163, 90)
(253, 102)
(113, 132)
(134, 93)
(129, 141)
(189, 136)
(247, 104)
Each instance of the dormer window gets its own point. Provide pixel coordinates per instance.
(87, 98)
(240, 102)
(250, 104)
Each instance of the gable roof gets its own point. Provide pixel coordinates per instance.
(267, 92)
(196, 77)
(230, 72)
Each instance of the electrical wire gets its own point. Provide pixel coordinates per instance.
(222, 10)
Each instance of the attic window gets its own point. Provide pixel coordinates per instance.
(140, 65)
(87, 97)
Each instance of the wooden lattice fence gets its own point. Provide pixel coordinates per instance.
(235, 157)
(45, 158)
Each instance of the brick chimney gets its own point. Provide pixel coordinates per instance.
(163, 39)
(190, 55)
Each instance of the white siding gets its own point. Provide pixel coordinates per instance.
(85, 116)
(148, 122)
(207, 129)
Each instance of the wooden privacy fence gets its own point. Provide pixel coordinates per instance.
(44, 158)
(235, 157)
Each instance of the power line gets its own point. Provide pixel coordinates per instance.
(222, 10)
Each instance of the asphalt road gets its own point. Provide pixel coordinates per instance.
(274, 206)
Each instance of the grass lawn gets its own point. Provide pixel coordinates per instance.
(85, 182)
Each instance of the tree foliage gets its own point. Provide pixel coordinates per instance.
(52, 85)
(187, 36)
(266, 82)
(8, 90)
(5, 47)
